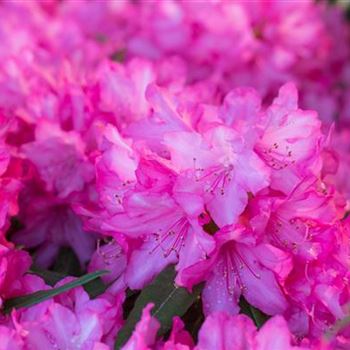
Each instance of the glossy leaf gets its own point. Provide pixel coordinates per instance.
(258, 317)
(169, 300)
(40, 296)
(50, 277)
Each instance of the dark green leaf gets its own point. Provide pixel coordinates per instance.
(129, 292)
(194, 318)
(129, 303)
(211, 227)
(118, 56)
(40, 296)
(259, 317)
(256, 315)
(168, 299)
(95, 288)
(67, 263)
(15, 226)
(50, 277)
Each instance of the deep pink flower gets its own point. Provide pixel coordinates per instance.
(299, 222)
(168, 113)
(115, 170)
(318, 289)
(13, 265)
(165, 223)
(240, 266)
(170, 235)
(220, 167)
(290, 141)
(336, 159)
(221, 331)
(122, 89)
(155, 126)
(70, 320)
(50, 224)
(144, 336)
(10, 340)
(110, 257)
(60, 160)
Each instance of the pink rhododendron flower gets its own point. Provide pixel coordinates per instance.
(115, 170)
(319, 288)
(224, 168)
(290, 140)
(50, 225)
(13, 265)
(122, 91)
(110, 257)
(239, 266)
(71, 320)
(337, 162)
(239, 332)
(210, 136)
(172, 235)
(145, 332)
(299, 220)
(219, 331)
(10, 339)
(60, 160)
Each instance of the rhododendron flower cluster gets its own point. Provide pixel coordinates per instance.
(174, 175)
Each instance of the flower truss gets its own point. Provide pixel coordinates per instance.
(206, 138)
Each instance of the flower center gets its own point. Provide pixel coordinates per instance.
(278, 157)
(234, 265)
(172, 239)
(215, 178)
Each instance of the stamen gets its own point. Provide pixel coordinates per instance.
(216, 177)
(278, 158)
(178, 230)
(233, 264)
(244, 263)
